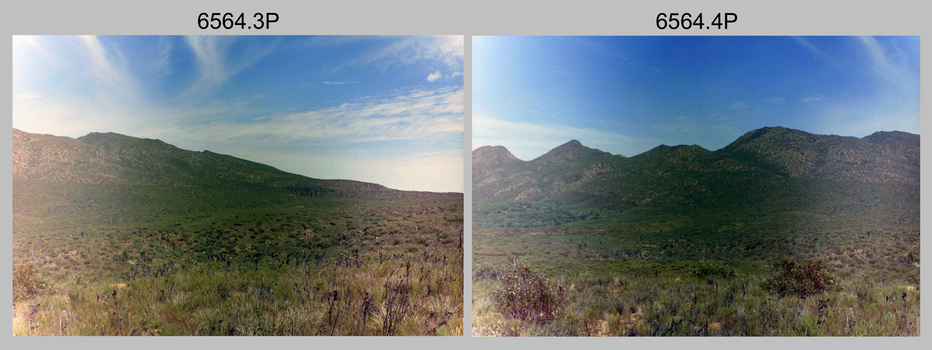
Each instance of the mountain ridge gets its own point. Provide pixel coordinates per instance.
(116, 159)
(765, 155)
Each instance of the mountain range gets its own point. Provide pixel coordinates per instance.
(768, 170)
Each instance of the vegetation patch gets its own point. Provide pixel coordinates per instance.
(709, 271)
(28, 282)
(801, 279)
(525, 295)
(338, 265)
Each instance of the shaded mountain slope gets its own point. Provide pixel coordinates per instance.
(497, 174)
(765, 172)
(107, 177)
(882, 157)
(114, 159)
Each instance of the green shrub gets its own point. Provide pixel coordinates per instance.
(710, 270)
(28, 282)
(803, 279)
(526, 295)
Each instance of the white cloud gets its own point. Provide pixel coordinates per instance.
(434, 76)
(27, 96)
(438, 75)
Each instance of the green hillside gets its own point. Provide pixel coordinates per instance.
(585, 219)
(134, 236)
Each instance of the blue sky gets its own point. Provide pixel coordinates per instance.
(380, 109)
(627, 95)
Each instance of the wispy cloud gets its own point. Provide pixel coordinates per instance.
(445, 50)
(163, 57)
(775, 100)
(886, 63)
(219, 58)
(358, 140)
(418, 115)
(739, 105)
(810, 46)
(101, 65)
(808, 99)
(339, 82)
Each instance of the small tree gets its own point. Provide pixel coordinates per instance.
(28, 282)
(803, 279)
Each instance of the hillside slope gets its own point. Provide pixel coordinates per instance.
(114, 159)
(763, 173)
(111, 177)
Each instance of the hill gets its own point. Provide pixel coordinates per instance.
(114, 159)
(117, 235)
(108, 176)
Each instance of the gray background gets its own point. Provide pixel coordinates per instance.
(476, 17)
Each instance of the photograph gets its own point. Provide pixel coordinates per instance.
(238, 185)
(695, 186)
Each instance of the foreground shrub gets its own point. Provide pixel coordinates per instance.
(803, 279)
(28, 282)
(526, 295)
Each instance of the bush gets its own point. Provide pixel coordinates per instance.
(486, 273)
(28, 282)
(803, 279)
(526, 295)
(709, 271)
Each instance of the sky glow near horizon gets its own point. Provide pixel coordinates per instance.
(382, 109)
(627, 95)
